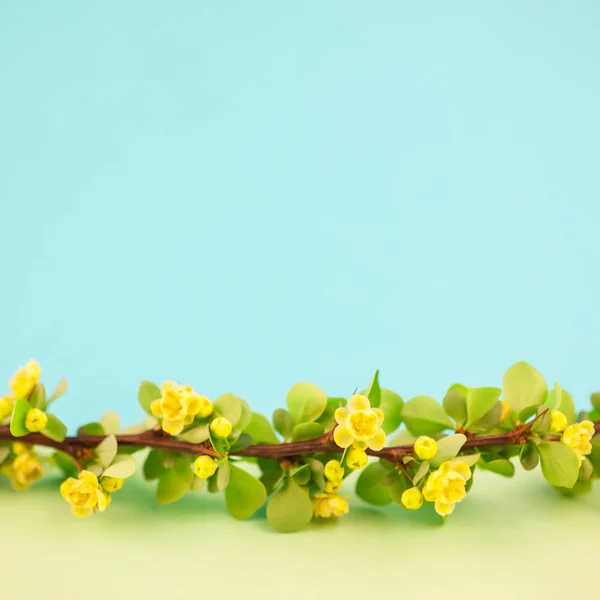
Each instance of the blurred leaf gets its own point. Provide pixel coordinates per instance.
(403, 438)
(529, 456)
(59, 390)
(106, 450)
(110, 422)
(560, 464)
(448, 447)
(480, 401)
(147, 393)
(153, 465)
(424, 416)
(243, 441)
(469, 459)
(173, 485)
(246, 416)
(595, 398)
(271, 479)
(4, 452)
(283, 422)
(523, 386)
(579, 489)
(489, 421)
(421, 472)
(455, 404)
(391, 405)
(307, 431)
(91, 429)
(301, 475)
(542, 425)
(290, 508)
(261, 431)
(369, 488)
(306, 402)
(374, 391)
(38, 397)
(223, 474)
(66, 464)
(245, 494)
(55, 429)
(17, 422)
(317, 470)
(197, 435)
(528, 412)
(501, 466)
(397, 488)
(122, 467)
(230, 407)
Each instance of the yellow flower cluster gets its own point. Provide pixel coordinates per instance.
(25, 469)
(359, 426)
(579, 437)
(178, 406)
(85, 494)
(329, 505)
(25, 379)
(446, 486)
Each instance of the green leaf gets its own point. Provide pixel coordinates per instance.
(197, 435)
(122, 467)
(391, 405)
(147, 393)
(469, 459)
(59, 390)
(560, 464)
(448, 448)
(317, 470)
(529, 456)
(480, 401)
(38, 397)
(17, 422)
(523, 386)
(567, 407)
(397, 488)
(261, 431)
(4, 452)
(306, 402)
(424, 416)
(374, 391)
(245, 494)
(246, 416)
(290, 508)
(91, 429)
(244, 440)
(307, 431)
(594, 457)
(223, 474)
(153, 465)
(110, 422)
(403, 438)
(554, 397)
(283, 422)
(327, 419)
(107, 450)
(301, 475)
(581, 487)
(595, 398)
(489, 421)
(528, 412)
(542, 425)
(173, 485)
(66, 464)
(55, 429)
(501, 466)
(369, 488)
(230, 407)
(421, 472)
(586, 471)
(271, 479)
(455, 404)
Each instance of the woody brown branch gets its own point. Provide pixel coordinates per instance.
(324, 444)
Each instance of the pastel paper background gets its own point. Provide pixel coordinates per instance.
(241, 196)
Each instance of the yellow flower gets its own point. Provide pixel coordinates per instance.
(358, 422)
(20, 447)
(35, 420)
(333, 486)
(558, 421)
(412, 498)
(425, 447)
(24, 470)
(329, 505)
(84, 494)
(446, 486)
(334, 470)
(111, 484)
(6, 407)
(356, 459)
(25, 379)
(221, 427)
(204, 467)
(178, 406)
(579, 436)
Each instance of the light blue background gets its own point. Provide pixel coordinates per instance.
(243, 195)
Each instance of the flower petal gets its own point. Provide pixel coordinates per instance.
(341, 437)
(358, 402)
(380, 415)
(378, 441)
(444, 509)
(341, 414)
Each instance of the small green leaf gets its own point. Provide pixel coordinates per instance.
(59, 390)
(153, 465)
(391, 405)
(106, 450)
(567, 406)
(369, 488)
(223, 474)
(91, 429)
(528, 412)
(173, 485)
(529, 456)
(246, 416)
(230, 407)
(469, 459)
(397, 488)
(424, 416)
(245, 494)
(317, 470)
(501, 466)
(290, 508)
(307, 431)
(421, 472)
(595, 398)
(594, 457)
(110, 422)
(306, 402)
(301, 475)
(480, 401)
(543, 422)
(554, 397)
(283, 422)
(271, 479)
(448, 447)
(327, 419)
(197, 435)
(455, 404)
(244, 440)
(38, 397)
(403, 438)
(122, 467)
(261, 431)
(55, 429)
(17, 422)
(147, 393)
(489, 421)
(523, 386)
(586, 471)
(374, 391)
(66, 464)
(560, 464)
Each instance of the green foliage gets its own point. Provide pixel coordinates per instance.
(560, 464)
(306, 402)
(501, 466)
(154, 465)
(448, 448)
(424, 416)
(261, 430)
(55, 429)
(174, 483)
(122, 467)
(455, 403)
(245, 494)
(307, 431)
(369, 488)
(283, 423)
(289, 508)
(147, 393)
(374, 391)
(523, 386)
(38, 397)
(391, 405)
(17, 422)
(480, 402)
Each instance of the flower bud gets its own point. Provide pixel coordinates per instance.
(221, 427)
(425, 448)
(204, 467)
(111, 484)
(558, 421)
(35, 420)
(412, 498)
(356, 459)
